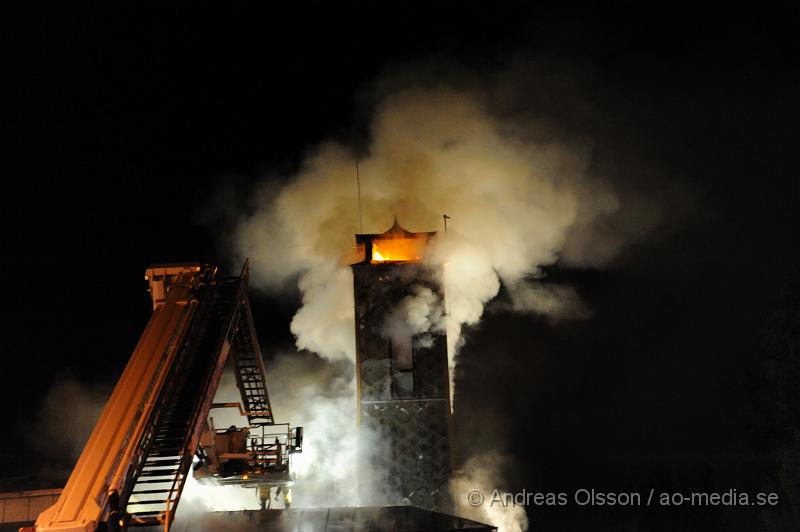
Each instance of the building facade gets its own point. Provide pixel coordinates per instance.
(402, 378)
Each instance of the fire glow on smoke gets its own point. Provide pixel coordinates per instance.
(516, 204)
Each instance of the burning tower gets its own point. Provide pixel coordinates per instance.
(403, 382)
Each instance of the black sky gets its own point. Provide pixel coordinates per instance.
(124, 127)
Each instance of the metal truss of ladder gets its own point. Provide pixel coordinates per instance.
(249, 369)
(169, 449)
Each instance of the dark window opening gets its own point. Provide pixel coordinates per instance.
(402, 357)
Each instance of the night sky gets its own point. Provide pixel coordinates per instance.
(127, 129)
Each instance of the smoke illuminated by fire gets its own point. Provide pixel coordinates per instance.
(515, 206)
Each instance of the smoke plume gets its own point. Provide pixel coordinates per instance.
(63, 423)
(481, 473)
(515, 203)
(318, 395)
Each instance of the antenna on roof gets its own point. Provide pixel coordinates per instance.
(358, 184)
(444, 282)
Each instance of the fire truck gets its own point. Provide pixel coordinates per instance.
(157, 425)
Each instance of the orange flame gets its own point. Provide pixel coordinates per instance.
(397, 249)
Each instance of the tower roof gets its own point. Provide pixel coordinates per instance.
(395, 231)
(406, 244)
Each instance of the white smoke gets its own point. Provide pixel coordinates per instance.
(514, 206)
(555, 301)
(63, 423)
(324, 324)
(416, 316)
(318, 395)
(481, 475)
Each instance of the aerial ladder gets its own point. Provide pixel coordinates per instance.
(156, 425)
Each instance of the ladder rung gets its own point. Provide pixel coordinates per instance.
(150, 492)
(152, 463)
(153, 474)
(151, 501)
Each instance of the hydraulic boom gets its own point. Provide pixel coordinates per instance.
(156, 421)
